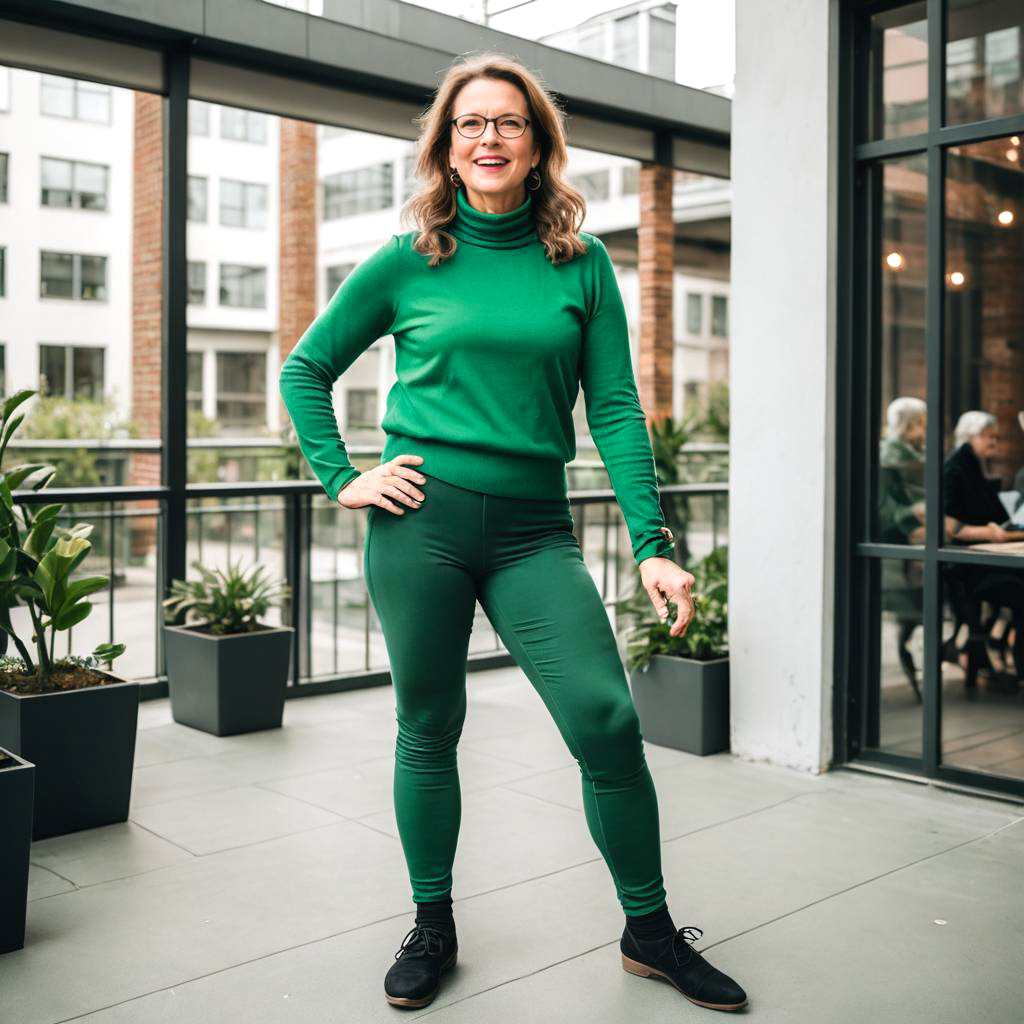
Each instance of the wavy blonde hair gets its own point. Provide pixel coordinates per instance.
(558, 207)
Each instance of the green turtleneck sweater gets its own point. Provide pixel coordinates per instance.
(492, 347)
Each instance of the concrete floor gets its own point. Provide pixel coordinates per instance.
(261, 879)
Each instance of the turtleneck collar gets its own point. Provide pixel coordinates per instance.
(493, 230)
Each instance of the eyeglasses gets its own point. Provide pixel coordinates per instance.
(508, 126)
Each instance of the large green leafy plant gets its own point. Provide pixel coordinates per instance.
(230, 602)
(707, 635)
(37, 559)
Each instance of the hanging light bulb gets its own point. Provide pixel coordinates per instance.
(1005, 217)
(894, 261)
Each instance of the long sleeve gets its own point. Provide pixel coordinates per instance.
(362, 310)
(614, 414)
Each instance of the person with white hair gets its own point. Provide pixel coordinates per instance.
(970, 498)
(901, 472)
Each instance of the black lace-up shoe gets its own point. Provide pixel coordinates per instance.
(674, 959)
(425, 953)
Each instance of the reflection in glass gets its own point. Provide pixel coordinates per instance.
(899, 262)
(899, 72)
(893, 706)
(983, 473)
(983, 60)
(982, 658)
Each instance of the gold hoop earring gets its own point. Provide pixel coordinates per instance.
(533, 188)
(453, 176)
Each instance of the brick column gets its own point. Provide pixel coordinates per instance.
(298, 233)
(655, 259)
(147, 296)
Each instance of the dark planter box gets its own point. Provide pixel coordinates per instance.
(17, 778)
(82, 743)
(684, 703)
(231, 683)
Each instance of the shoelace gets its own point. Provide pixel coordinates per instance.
(421, 938)
(688, 934)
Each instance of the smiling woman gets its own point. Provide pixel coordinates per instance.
(502, 310)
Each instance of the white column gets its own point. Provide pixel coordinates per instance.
(781, 371)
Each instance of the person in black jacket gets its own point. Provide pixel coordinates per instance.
(970, 498)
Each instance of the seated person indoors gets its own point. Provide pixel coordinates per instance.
(901, 473)
(970, 498)
(969, 495)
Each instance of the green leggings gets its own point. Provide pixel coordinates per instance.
(519, 558)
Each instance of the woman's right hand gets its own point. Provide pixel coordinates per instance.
(389, 480)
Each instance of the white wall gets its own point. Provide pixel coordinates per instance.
(781, 477)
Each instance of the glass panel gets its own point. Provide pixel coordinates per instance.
(982, 663)
(243, 286)
(242, 389)
(56, 182)
(984, 53)
(196, 198)
(194, 383)
(983, 475)
(94, 326)
(900, 273)
(87, 373)
(893, 704)
(719, 316)
(694, 310)
(196, 282)
(56, 275)
(899, 72)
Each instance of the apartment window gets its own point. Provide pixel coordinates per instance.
(67, 97)
(630, 179)
(242, 389)
(67, 275)
(74, 371)
(194, 386)
(243, 204)
(196, 282)
(4, 161)
(242, 125)
(75, 184)
(337, 274)
(361, 409)
(358, 191)
(243, 286)
(196, 198)
(694, 313)
(3, 272)
(3, 370)
(409, 180)
(593, 184)
(719, 316)
(198, 117)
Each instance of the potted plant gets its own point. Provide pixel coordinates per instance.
(74, 721)
(17, 778)
(681, 684)
(228, 672)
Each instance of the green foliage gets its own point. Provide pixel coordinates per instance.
(58, 418)
(37, 559)
(705, 637)
(230, 602)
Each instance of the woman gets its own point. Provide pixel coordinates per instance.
(501, 310)
(901, 472)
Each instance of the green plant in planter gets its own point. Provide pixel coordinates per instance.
(230, 602)
(706, 636)
(37, 558)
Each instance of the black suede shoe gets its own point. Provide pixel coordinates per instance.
(674, 959)
(425, 953)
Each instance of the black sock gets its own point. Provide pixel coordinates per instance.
(655, 925)
(436, 912)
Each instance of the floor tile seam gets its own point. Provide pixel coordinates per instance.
(196, 858)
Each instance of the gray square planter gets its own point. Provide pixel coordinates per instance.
(82, 743)
(683, 703)
(228, 684)
(17, 781)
